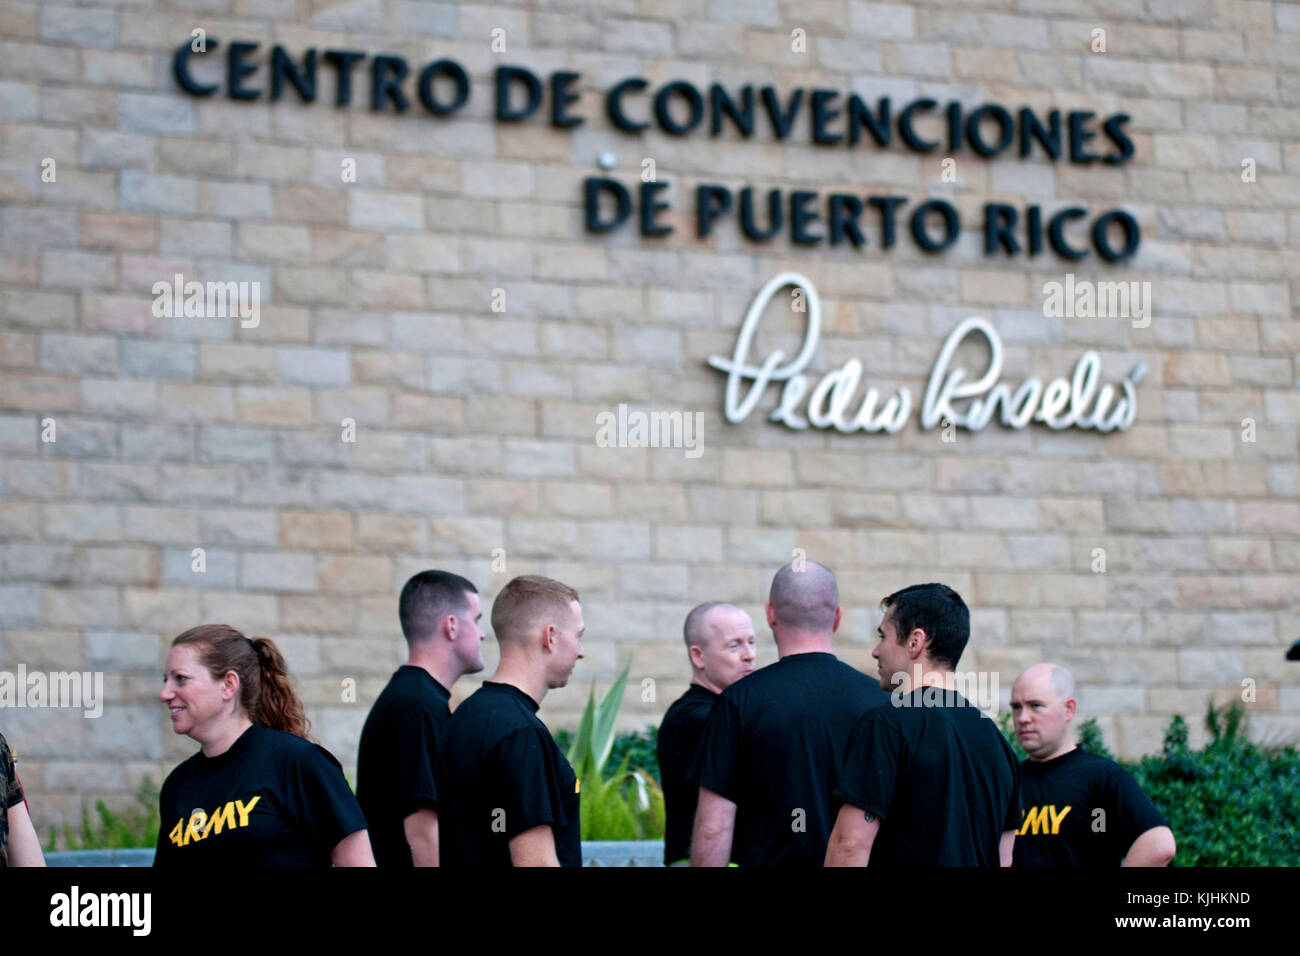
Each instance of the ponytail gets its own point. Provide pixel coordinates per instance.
(264, 689)
(278, 706)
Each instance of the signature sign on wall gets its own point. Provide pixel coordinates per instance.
(952, 395)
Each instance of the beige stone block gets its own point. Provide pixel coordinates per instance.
(43, 650)
(40, 393)
(80, 607)
(1137, 736)
(316, 614)
(258, 405)
(316, 530)
(254, 614)
(354, 574)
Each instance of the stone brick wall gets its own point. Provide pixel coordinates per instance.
(475, 428)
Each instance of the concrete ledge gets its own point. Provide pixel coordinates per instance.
(142, 857)
(623, 853)
(594, 853)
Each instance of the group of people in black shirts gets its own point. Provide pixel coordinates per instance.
(484, 787)
(809, 762)
(805, 762)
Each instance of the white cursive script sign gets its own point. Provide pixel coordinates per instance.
(1077, 402)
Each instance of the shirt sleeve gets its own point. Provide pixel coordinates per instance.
(530, 783)
(13, 790)
(1014, 816)
(873, 758)
(417, 746)
(684, 734)
(717, 762)
(164, 852)
(1134, 810)
(324, 804)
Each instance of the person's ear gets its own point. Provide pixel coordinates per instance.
(229, 685)
(1071, 708)
(839, 616)
(449, 624)
(771, 615)
(549, 637)
(697, 657)
(916, 643)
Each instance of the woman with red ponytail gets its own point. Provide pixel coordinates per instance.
(260, 791)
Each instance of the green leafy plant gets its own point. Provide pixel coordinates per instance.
(1091, 739)
(1009, 731)
(627, 804)
(639, 746)
(135, 828)
(1234, 803)
(595, 737)
(640, 749)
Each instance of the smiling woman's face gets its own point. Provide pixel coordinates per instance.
(192, 697)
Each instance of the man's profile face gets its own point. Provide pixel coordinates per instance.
(1038, 715)
(891, 657)
(728, 651)
(568, 646)
(469, 634)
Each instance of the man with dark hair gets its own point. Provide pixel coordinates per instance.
(930, 780)
(768, 757)
(510, 796)
(1080, 809)
(720, 644)
(402, 736)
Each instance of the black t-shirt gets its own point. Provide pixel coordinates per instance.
(939, 775)
(772, 746)
(272, 799)
(500, 774)
(397, 757)
(679, 735)
(11, 793)
(1062, 826)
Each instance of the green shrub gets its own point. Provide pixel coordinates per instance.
(1091, 739)
(1234, 803)
(639, 750)
(135, 828)
(627, 804)
(639, 746)
(1009, 731)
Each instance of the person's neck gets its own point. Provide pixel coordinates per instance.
(1066, 746)
(922, 674)
(791, 643)
(217, 740)
(700, 679)
(520, 675)
(442, 669)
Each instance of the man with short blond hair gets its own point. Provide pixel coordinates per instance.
(511, 796)
(1080, 809)
(720, 644)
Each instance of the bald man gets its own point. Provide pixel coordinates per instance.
(509, 796)
(720, 644)
(1080, 809)
(768, 758)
